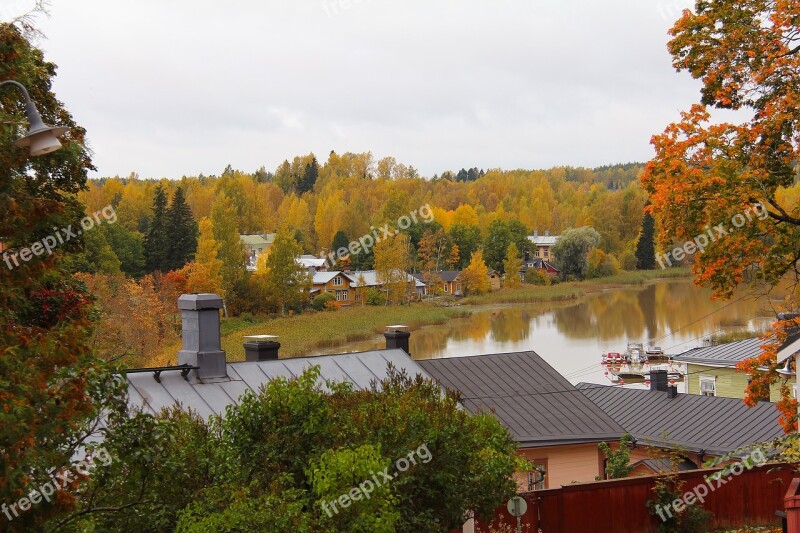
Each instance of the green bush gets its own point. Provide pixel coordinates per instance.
(535, 276)
(320, 302)
(375, 297)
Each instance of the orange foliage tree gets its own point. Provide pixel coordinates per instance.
(723, 185)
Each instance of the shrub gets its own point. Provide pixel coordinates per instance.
(375, 297)
(535, 276)
(320, 302)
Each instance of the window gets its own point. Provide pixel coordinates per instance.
(708, 386)
(446, 287)
(536, 477)
(342, 296)
(458, 287)
(547, 252)
(337, 281)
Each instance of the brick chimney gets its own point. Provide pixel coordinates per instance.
(658, 380)
(261, 347)
(201, 335)
(397, 337)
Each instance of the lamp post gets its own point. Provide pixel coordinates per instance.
(41, 138)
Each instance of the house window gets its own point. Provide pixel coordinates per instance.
(546, 252)
(458, 287)
(446, 287)
(536, 477)
(342, 296)
(337, 281)
(708, 386)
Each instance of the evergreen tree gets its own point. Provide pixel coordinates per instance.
(309, 178)
(181, 231)
(646, 247)
(129, 248)
(156, 241)
(340, 240)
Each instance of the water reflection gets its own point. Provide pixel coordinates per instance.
(572, 336)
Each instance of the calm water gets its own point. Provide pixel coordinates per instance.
(572, 336)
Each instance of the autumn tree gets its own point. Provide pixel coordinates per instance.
(282, 280)
(571, 251)
(512, 266)
(476, 275)
(708, 175)
(231, 252)
(205, 272)
(468, 239)
(392, 260)
(52, 389)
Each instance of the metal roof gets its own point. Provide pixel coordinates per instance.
(543, 240)
(533, 401)
(212, 396)
(370, 278)
(715, 425)
(255, 240)
(723, 355)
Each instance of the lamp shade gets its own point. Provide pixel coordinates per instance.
(41, 138)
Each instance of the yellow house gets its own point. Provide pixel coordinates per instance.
(711, 370)
(337, 283)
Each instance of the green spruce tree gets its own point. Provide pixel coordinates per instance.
(156, 240)
(182, 232)
(646, 246)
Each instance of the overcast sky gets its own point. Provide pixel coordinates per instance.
(178, 87)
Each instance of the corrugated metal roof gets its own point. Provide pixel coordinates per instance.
(533, 401)
(370, 278)
(716, 425)
(726, 355)
(212, 396)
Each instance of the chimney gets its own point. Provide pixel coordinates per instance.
(261, 348)
(672, 391)
(535, 233)
(547, 233)
(658, 380)
(397, 337)
(201, 336)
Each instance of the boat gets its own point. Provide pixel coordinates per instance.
(634, 354)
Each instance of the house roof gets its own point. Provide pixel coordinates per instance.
(212, 396)
(543, 240)
(321, 278)
(533, 401)
(311, 261)
(256, 240)
(724, 355)
(790, 347)
(709, 423)
(658, 466)
(371, 278)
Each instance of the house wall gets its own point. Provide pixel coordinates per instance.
(331, 288)
(564, 464)
(729, 383)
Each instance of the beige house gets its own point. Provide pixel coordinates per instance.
(543, 245)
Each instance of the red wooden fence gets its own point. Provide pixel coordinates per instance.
(619, 506)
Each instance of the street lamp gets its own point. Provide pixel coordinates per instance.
(41, 138)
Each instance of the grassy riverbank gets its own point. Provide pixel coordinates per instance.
(573, 290)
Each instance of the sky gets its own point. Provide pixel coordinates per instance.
(173, 88)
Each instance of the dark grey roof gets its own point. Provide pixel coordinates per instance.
(212, 396)
(665, 465)
(789, 347)
(533, 401)
(716, 425)
(726, 355)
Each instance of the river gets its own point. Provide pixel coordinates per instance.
(571, 336)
